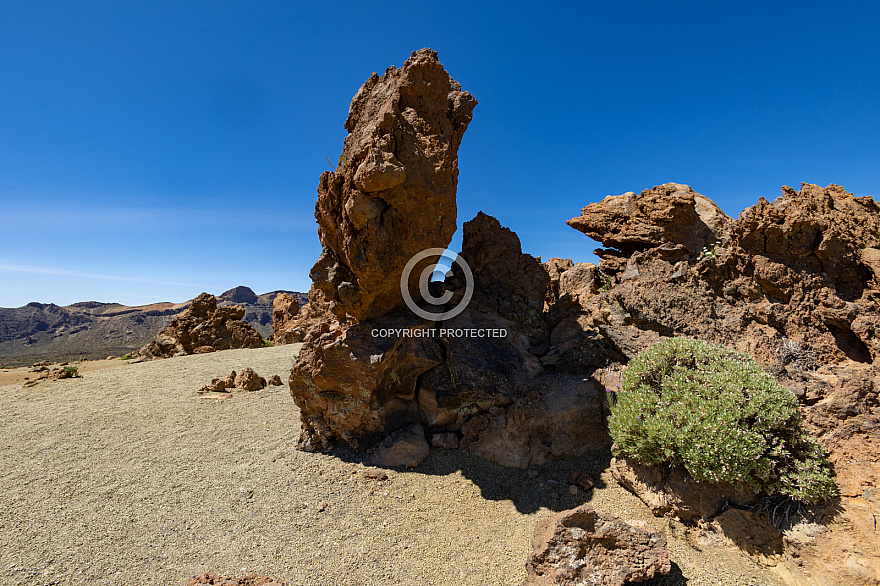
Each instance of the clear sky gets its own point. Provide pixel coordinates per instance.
(153, 150)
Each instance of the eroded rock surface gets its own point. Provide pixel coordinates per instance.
(581, 546)
(285, 326)
(205, 327)
(668, 214)
(359, 378)
(249, 380)
(393, 192)
(794, 284)
(246, 380)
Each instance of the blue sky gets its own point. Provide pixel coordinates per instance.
(153, 150)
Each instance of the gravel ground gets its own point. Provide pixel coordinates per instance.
(127, 476)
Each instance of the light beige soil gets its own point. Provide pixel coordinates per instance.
(12, 376)
(127, 476)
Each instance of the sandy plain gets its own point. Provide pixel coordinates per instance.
(128, 476)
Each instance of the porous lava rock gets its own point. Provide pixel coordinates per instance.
(507, 281)
(555, 267)
(667, 214)
(369, 366)
(217, 385)
(203, 325)
(794, 283)
(790, 270)
(285, 326)
(354, 385)
(393, 192)
(581, 546)
(486, 394)
(404, 448)
(249, 380)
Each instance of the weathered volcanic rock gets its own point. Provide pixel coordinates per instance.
(555, 267)
(216, 385)
(581, 546)
(406, 447)
(471, 379)
(203, 324)
(794, 283)
(286, 328)
(391, 196)
(507, 281)
(745, 293)
(249, 380)
(393, 193)
(359, 383)
(839, 547)
(669, 213)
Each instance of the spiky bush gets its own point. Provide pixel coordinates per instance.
(719, 415)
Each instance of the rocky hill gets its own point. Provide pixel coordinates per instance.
(43, 331)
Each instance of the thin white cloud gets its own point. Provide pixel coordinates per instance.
(15, 268)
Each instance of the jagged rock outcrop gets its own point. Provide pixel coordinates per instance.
(287, 330)
(581, 546)
(393, 192)
(471, 379)
(391, 196)
(668, 214)
(555, 267)
(506, 280)
(745, 292)
(794, 284)
(370, 366)
(203, 324)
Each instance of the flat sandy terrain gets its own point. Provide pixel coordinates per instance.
(128, 476)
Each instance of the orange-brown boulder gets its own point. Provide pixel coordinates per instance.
(249, 380)
(203, 325)
(393, 191)
(581, 546)
(287, 330)
(667, 214)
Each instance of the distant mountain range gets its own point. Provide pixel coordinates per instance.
(92, 330)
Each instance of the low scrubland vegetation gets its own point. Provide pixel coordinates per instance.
(716, 413)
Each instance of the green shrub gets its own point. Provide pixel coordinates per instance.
(127, 357)
(605, 282)
(716, 413)
(268, 343)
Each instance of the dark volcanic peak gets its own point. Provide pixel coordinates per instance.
(240, 294)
